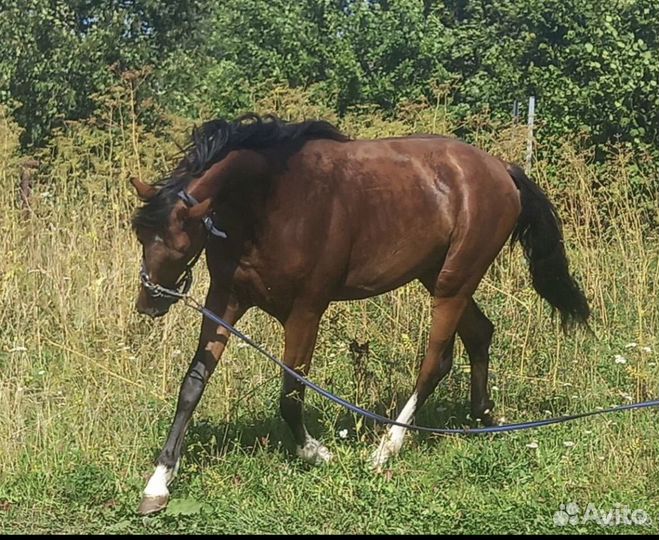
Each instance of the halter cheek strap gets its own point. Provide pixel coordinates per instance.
(208, 221)
(182, 286)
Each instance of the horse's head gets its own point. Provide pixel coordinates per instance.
(171, 231)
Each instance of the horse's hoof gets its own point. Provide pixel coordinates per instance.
(487, 420)
(484, 414)
(314, 453)
(323, 455)
(151, 505)
(385, 451)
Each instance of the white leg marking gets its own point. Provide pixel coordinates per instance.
(159, 481)
(393, 440)
(313, 452)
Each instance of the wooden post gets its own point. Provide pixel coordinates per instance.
(529, 142)
(28, 168)
(516, 111)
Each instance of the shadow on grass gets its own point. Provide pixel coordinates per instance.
(207, 439)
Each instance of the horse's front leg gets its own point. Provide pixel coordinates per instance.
(212, 341)
(301, 330)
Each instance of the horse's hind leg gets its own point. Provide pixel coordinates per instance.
(301, 330)
(452, 291)
(447, 311)
(475, 331)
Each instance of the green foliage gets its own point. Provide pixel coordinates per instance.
(9, 140)
(56, 55)
(593, 66)
(183, 507)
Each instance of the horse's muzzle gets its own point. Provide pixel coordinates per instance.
(154, 307)
(152, 311)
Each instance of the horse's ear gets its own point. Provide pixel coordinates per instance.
(145, 192)
(200, 210)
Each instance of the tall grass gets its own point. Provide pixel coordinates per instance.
(85, 381)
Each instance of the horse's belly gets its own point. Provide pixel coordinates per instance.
(375, 273)
(397, 235)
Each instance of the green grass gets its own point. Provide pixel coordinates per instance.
(241, 472)
(84, 466)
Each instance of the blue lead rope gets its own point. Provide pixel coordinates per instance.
(383, 419)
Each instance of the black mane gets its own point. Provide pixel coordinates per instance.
(212, 141)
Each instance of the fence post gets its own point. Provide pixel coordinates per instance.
(529, 142)
(28, 168)
(515, 111)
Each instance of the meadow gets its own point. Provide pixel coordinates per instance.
(88, 387)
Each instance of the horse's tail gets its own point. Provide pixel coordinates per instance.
(539, 231)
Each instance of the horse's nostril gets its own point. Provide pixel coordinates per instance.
(143, 309)
(151, 311)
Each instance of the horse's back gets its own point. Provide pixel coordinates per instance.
(455, 163)
(392, 207)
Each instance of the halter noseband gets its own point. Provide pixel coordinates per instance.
(182, 286)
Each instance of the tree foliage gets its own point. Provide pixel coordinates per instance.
(56, 55)
(593, 66)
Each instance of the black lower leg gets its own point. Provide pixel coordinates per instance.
(190, 393)
(290, 406)
(476, 332)
(301, 329)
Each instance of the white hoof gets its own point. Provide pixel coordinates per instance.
(161, 478)
(314, 453)
(393, 441)
(388, 447)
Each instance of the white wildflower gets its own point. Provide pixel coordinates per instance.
(619, 359)
(532, 445)
(343, 433)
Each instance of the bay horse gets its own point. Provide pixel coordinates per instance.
(302, 215)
